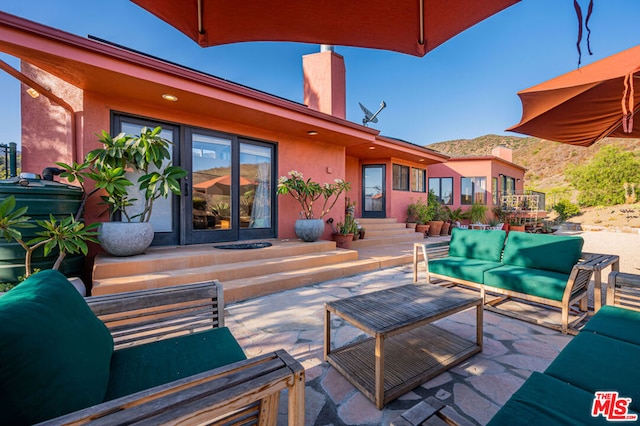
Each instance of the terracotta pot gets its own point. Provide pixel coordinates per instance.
(362, 234)
(516, 228)
(423, 229)
(445, 228)
(411, 225)
(343, 241)
(435, 226)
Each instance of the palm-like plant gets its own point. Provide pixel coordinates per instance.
(69, 235)
(146, 154)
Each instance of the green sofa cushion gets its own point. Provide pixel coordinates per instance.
(598, 363)
(481, 245)
(534, 282)
(54, 351)
(544, 400)
(616, 322)
(461, 268)
(144, 366)
(549, 252)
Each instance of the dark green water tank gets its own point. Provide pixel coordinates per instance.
(42, 198)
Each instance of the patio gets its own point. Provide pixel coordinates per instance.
(473, 391)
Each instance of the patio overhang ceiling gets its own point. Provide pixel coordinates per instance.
(114, 72)
(383, 148)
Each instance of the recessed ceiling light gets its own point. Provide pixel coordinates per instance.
(372, 147)
(312, 133)
(422, 159)
(168, 97)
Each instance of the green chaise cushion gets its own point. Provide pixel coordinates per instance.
(54, 351)
(480, 245)
(549, 252)
(144, 366)
(544, 400)
(615, 322)
(598, 363)
(462, 268)
(533, 282)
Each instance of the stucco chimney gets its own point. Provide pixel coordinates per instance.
(503, 152)
(324, 76)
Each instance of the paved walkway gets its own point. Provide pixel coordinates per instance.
(473, 391)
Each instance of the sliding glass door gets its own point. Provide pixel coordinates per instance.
(231, 193)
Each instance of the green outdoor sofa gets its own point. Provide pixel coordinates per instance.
(161, 356)
(538, 268)
(603, 357)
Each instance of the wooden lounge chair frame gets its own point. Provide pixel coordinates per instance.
(244, 392)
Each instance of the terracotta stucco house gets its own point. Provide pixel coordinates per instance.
(233, 140)
(216, 126)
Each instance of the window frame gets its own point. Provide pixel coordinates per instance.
(400, 167)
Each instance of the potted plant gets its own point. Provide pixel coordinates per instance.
(455, 216)
(68, 235)
(343, 232)
(420, 211)
(478, 213)
(436, 214)
(412, 215)
(147, 157)
(306, 192)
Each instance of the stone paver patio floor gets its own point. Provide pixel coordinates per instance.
(473, 391)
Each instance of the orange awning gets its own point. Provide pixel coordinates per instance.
(412, 27)
(585, 105)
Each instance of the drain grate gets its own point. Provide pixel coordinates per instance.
(243, 246)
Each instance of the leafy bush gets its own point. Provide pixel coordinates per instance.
(601, 181)
(566, 209)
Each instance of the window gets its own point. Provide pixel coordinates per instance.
(400, 177)
(443, 189)
(473, 190)
(418, 180)
(494, 190)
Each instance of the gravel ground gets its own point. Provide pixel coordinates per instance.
(625, 245)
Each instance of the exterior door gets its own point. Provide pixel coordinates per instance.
(230, 193)
(373, 191)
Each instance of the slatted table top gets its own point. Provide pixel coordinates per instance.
(385, 311)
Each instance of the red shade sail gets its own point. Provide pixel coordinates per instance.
(585, 105)
(414, 27)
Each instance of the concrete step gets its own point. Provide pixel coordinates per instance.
(385, 240)
(157, 259)
(223, 272)
(374, 221)
(371, 259)
(386, 232)
(383, 226)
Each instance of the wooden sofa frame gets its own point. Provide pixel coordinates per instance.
(623, 290)
(229, 395)
(575, 292)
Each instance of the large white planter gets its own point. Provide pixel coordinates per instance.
(125, 238)
(309, 230)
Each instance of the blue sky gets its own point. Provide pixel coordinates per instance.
(463, 89)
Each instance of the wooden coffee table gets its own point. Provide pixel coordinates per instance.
(405, 350)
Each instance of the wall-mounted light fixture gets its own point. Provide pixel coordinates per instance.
(518, 180)
(501, 175)
(33, 92)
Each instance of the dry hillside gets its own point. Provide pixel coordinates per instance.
(545, 161)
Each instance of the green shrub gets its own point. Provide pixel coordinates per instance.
(601, 181)
(566, 209)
